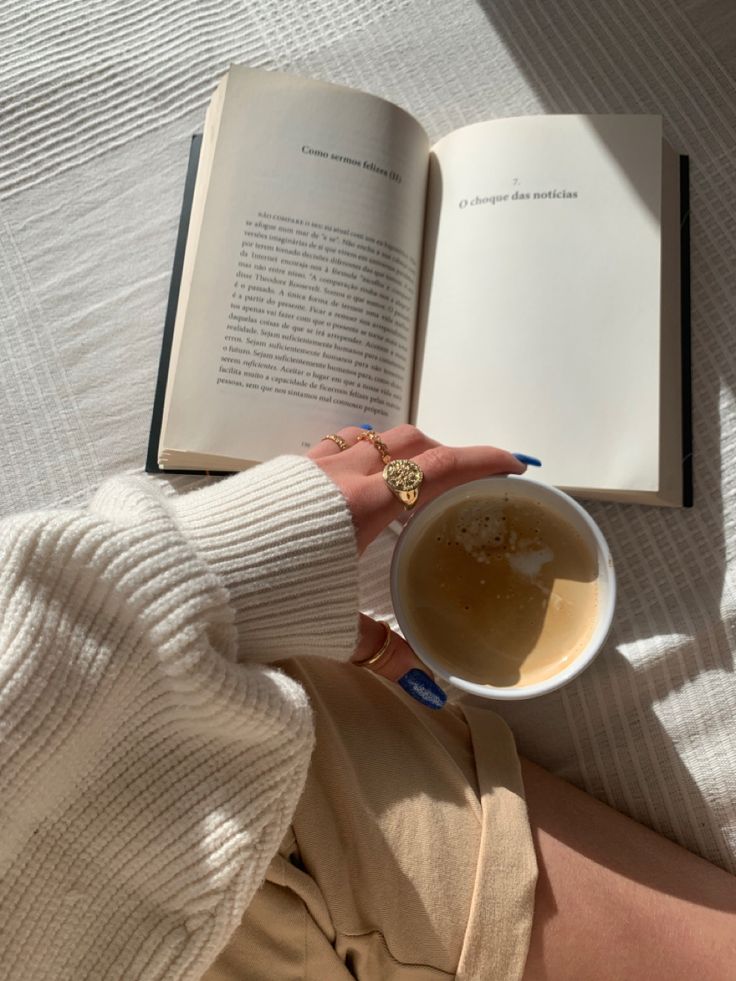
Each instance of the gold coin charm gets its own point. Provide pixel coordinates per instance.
(404, 478)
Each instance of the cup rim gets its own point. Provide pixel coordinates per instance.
(606, 574)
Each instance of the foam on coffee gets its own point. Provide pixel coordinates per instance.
(502, 592)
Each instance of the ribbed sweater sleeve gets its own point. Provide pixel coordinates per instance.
(149, 760)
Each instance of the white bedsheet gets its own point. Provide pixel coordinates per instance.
(99, 100)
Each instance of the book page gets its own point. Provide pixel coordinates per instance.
(542, 308)
(301, 306)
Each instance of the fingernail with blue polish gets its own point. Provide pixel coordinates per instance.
(365, 425)
(531, 461)
(419, 685)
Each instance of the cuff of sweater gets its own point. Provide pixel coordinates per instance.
(281, 538)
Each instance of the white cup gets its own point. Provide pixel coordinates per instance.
(561, 504)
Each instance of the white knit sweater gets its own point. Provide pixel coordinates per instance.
(149, 760)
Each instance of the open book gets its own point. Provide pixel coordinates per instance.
(518, 283)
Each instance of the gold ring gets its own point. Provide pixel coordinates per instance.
(378, 443)
(338, 440)
(404, 478)
(381, 650)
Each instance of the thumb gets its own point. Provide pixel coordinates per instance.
(398, 662)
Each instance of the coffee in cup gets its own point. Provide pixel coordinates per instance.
(504, 586)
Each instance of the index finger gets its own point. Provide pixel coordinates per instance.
(444, 467)
(408, 442)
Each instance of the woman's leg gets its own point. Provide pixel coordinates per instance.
(617, 902)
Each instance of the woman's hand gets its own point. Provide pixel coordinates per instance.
(357, 471)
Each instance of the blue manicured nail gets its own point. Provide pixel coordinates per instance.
(419, 685)
(365, 425)
(532, 461)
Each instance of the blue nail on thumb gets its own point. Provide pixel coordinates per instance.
(419, 685)
(531, 461)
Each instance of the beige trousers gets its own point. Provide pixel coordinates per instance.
(409, 856)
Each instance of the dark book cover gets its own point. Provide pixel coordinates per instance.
(686, 340)
(173, 301)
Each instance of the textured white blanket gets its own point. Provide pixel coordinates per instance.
(99, 99)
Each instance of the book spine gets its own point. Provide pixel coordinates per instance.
(173, 301)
